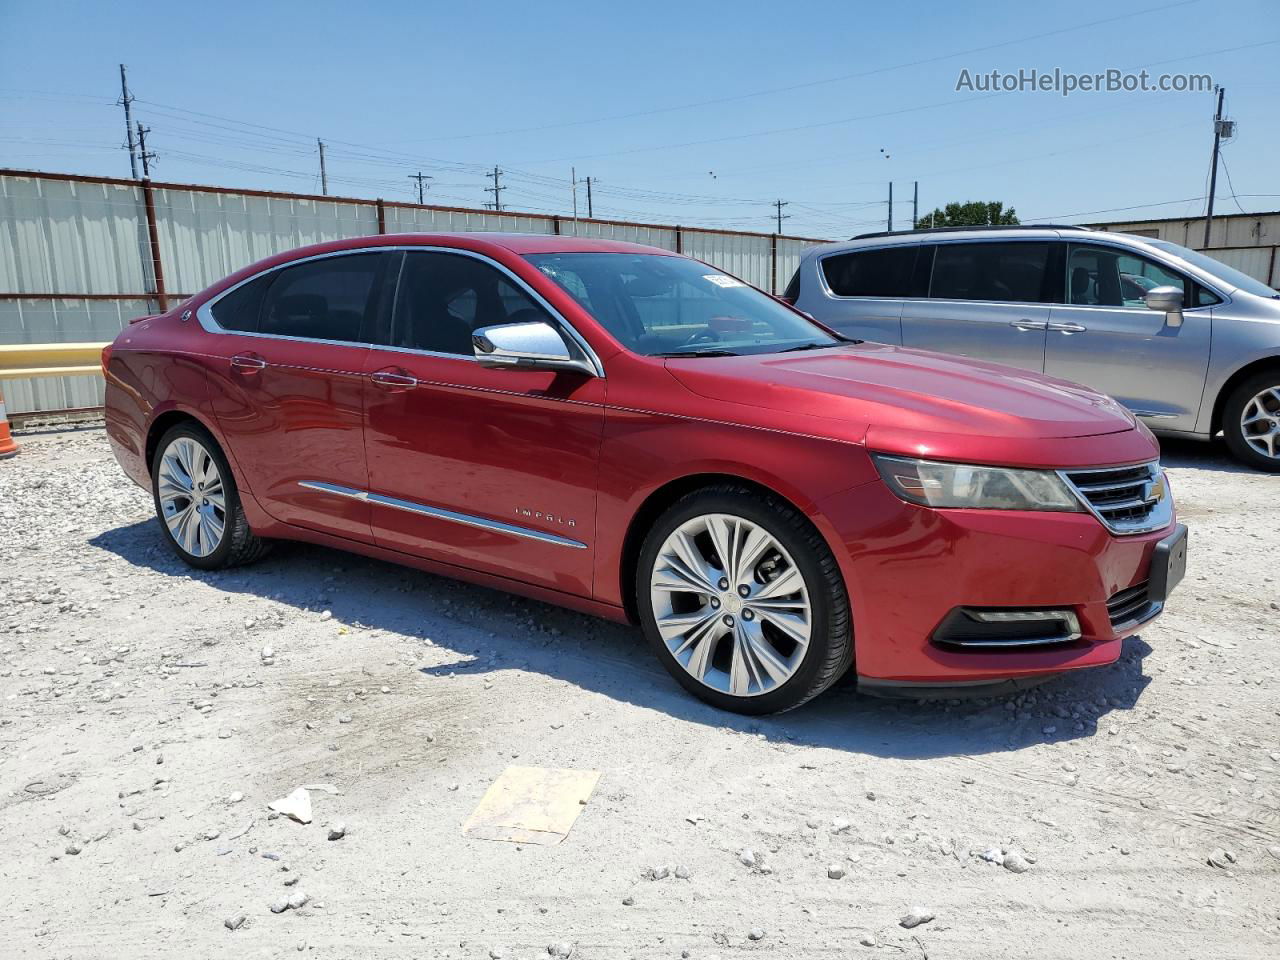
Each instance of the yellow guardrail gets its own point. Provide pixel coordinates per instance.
(49, 359)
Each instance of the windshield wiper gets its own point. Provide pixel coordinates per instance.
(819, 346)
(698, 353)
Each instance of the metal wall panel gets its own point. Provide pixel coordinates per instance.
(62, 321)
(663, 237)
(1255, 261)
(59, 236)
(747, 257)
(206, 235)
(789, 254)
(419, 220)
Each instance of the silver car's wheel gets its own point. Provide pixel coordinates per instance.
(731, 604)
(191, 496)
(1260, 423)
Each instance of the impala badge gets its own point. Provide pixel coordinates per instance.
(548, 517)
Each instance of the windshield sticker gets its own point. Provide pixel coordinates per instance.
(720, 280)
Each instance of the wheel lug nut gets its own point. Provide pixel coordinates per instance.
(724, 583)
(728, 621)
(748, 615)
(744, 590)
(715, 603)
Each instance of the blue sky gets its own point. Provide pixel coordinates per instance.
(696, 113)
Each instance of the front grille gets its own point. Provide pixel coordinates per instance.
(1132, 605)
(1130, 499)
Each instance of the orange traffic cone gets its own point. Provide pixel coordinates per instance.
(7, 447)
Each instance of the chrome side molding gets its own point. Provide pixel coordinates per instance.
(466, 519)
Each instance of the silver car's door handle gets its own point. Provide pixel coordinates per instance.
(1067, 327)
(1029, 324)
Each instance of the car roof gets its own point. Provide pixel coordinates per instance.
(518, 243)
(953, 234)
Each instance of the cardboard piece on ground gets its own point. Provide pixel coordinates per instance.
(531, 805)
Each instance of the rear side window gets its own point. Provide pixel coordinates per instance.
(1011, 272)
(239, 309)
(872, 273)
(326, 299)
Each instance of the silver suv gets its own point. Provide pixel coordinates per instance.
(1187, 343)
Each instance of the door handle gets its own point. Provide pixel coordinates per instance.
(1029, 324)
(1067, 327)
(394, 380)
(248, 363)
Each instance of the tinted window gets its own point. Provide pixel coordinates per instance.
(871, 273)
(663, 305)
(239, 309)
(325, 299)
(1014, 272)
(1111, 277)
(443, 297)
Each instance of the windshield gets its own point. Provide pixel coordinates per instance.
(672, 306)
(1216, 267)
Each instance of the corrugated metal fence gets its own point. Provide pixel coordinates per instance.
(80, 256)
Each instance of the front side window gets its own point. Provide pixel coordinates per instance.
(325, 299)
(1112, 277)
(444, 297)
(872, 273)
(1015, 272)
(672, 306)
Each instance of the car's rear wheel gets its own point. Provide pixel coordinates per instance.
(743, 601)
(1251, 421)
(197, 502)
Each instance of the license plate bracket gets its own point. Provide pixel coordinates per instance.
(1168, 564)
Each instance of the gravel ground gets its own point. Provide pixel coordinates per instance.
(148, 714)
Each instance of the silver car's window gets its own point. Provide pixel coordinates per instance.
(1111, 277)
(1217, 268)
(1012, 271)
(885, 272)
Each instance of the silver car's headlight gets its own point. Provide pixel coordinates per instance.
(932, 483)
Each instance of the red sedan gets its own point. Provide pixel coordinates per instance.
(635, 434)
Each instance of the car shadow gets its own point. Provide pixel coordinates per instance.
(1201, 455)
(490, 632)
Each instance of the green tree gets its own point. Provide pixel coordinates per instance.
(974, 213)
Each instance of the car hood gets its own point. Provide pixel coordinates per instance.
(908, 393)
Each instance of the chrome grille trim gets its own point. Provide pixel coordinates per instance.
(1127, 499)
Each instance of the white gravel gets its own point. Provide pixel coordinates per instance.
(1147, 795)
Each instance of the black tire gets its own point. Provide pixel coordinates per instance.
(239, 544)
(1233, 413)
(830, 650)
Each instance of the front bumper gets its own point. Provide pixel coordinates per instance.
(908, 568)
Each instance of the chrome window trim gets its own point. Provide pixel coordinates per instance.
(204, 313)
(439, 513)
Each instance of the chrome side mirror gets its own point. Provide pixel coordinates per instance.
(1168, 300)
(525, 346)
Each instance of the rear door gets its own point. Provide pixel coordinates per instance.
(986, 299)
(860, 292)
(1104, 336)
(288, 387)
(492, 469)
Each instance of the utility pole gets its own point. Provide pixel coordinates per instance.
(146, 155)
(420, 176)
(915, 202)
(496, 189)
(590, 211)
(573, 180)
(324, 175)
(1213, 169)
(781, 216)
(891, 206)
(126, 98)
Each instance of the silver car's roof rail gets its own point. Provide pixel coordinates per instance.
(1003, 226)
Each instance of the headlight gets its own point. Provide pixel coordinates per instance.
(931, 483)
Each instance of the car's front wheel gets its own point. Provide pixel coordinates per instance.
(1251, 421)
(197, 502)
(743, 601)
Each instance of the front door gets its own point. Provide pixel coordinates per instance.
(1105, 337)
(288, 387)
(494, 470)
(987, 300)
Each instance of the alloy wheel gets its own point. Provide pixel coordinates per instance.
(1260, 423)
(731, 604)
(192, 497)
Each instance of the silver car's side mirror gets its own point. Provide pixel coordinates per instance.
(1167, 300)
(525, 346)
